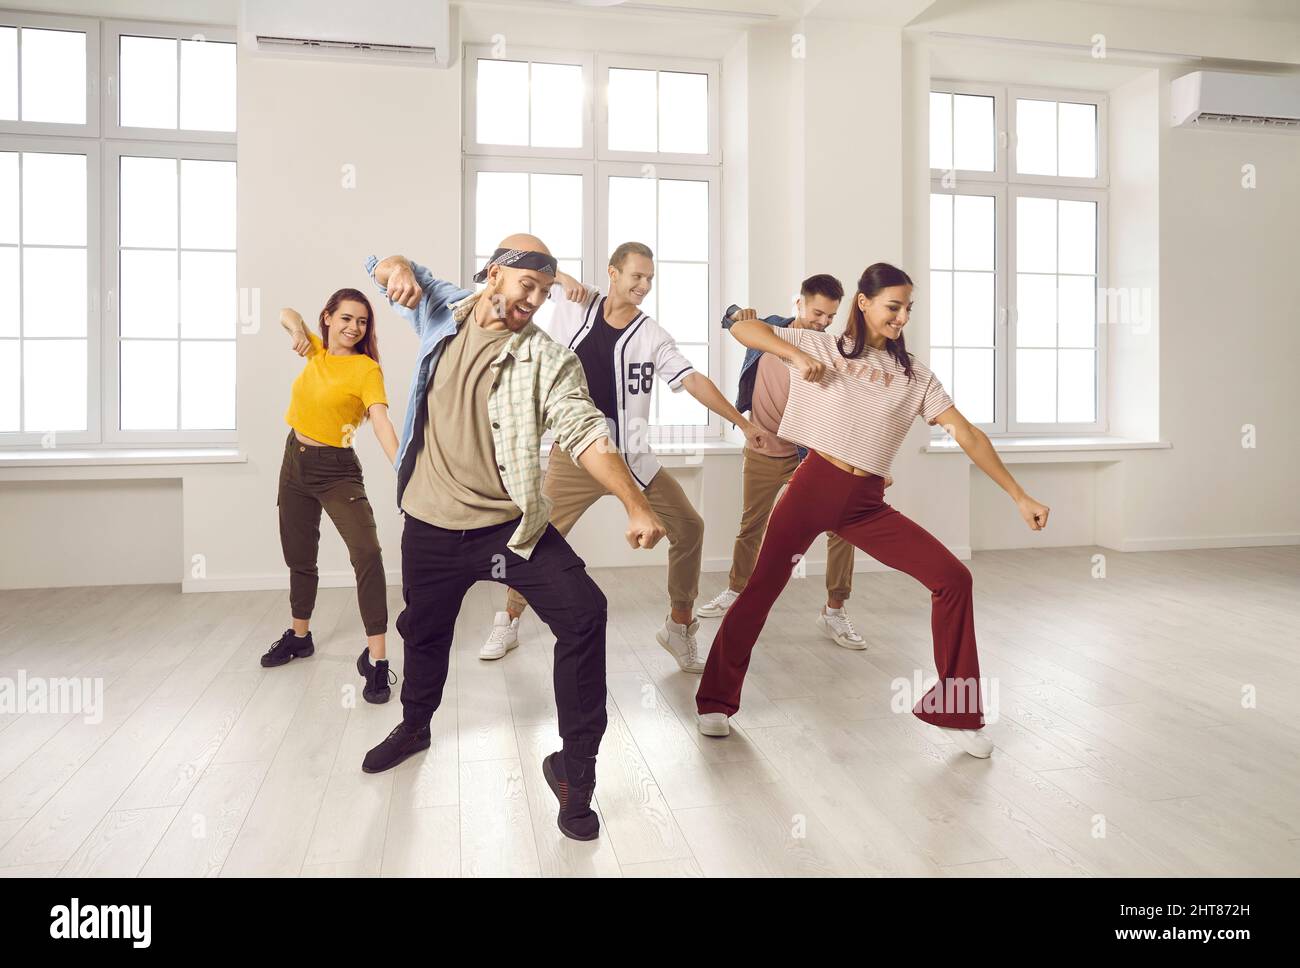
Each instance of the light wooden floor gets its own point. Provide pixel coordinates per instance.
(1123, 747)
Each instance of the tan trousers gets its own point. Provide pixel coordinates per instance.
(763, 479)
(572, 490)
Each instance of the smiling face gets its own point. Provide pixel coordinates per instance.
(886, 313)
(634, 279)
(516, 294)
(347, 326)
(816, 312)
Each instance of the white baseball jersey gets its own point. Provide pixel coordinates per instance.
(621, 365)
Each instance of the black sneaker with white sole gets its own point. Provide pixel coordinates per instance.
(288, 646)
(378, 678)
(401, 743)
(573, 781)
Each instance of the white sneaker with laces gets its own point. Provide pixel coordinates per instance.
(839, 628)
(504, 637)
(973, 741)
(718, 606)
(679, 642)
(713, 724)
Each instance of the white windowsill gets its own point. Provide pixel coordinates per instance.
(1038, 449)
(121, 456)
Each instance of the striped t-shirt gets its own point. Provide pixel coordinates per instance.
(861, 409)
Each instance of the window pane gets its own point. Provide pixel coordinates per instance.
(940, 131)
(1078, 234)
(683, 220)
(973, 232)
(941, 308)
(1035, 310)
(556, 216)
(148, 202)
(54, 199)
(208, 385)
(683, 300)
(1036, 386)
(557, 105)
(207, 204)
(1078, 311)
(633, 110)
(1078, 398)
(940, 231)
(683, 112)
(502, 110)
(54, 384)
(1035, 137)
(149, 384)
(500, 201)
(54, 292)
(9, 291)
(8, 196)
(147, 82)
(207, 88)
(209, 301)
(941, 367)
(973, 132)
(54, 76)
(8, 74)
(632, 211)
(973, 379)
(148, 294)
(10, 385)
(1078, 140)
(681, 408)
(1035, 234)
(972, 308)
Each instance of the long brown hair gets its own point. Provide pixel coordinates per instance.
(369, 344)
(875, 277)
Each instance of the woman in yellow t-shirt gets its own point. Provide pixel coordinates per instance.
(340, 386)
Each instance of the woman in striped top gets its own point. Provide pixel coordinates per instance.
(857, 398)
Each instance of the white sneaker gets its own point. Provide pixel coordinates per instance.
(504, 637)
(973, 741)
(679, 642)
(713, 724)
(718, 606)
(839, 628)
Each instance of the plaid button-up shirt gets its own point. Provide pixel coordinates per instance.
(539, 386)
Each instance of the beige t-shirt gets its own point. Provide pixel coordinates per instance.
(771, 391)
(455, 482)
(861, 409)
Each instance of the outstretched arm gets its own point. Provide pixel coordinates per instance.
(980, 450)
(706, 391)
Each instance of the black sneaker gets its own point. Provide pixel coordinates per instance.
(378, 678)
(576, 820)
(399, 744)
(288, 647)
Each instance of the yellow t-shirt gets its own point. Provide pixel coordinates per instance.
(332, 394)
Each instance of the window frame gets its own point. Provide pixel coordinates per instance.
(1001, 155)
(91, 28)
(90, 147)
(473, 53)
(1007, 185)
(113, 434)
(683, 65)
(113, 32)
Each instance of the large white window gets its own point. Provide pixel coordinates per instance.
(589, 151)
(117, 208)
(1018, 256)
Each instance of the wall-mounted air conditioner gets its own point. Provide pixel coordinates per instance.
(1217, 98)
(407, 32)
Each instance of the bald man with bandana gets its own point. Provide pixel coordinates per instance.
(488, 384)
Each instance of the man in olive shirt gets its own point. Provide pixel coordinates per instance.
(488, 384)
